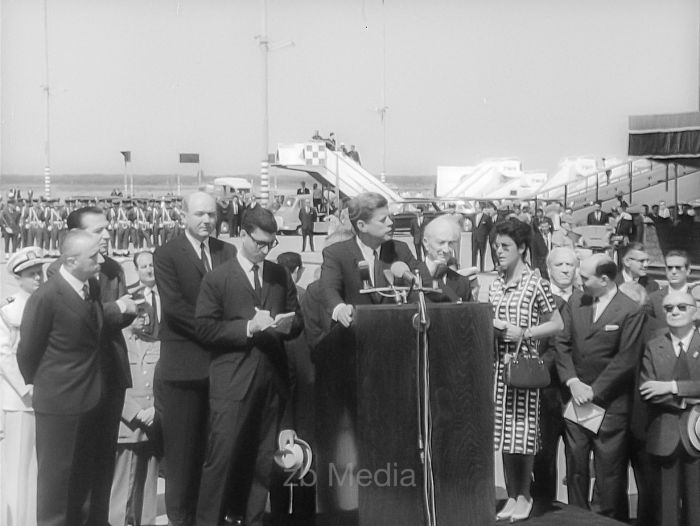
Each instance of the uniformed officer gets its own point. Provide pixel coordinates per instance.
(18, 476)
(54, 223)
(123, 227)
(134, 487)
(35, 220)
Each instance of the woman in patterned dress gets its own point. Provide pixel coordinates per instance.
(524, 311)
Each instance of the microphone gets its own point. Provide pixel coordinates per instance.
(363, 268)
(401, 271)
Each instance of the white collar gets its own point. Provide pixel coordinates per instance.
(562, 292)
(367, 251)
(628, 277)
(245, 263)
(685, 341)
(74, 282)
(606, 298)
(197, 245)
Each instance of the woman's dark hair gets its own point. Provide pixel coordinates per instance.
(518, 231)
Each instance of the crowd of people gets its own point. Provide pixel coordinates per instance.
(133, 223)
(332, 144)
(196, 372)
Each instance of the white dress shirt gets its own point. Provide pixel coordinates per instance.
(74, 282)
(565, 294)
(247, 266)
(150, 293)
(197, 246)
(602, 303)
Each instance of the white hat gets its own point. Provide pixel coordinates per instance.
(25, 258)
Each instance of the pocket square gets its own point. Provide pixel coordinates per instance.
(612, 327)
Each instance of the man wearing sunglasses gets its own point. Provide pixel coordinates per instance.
(240, 318)
(677, 272)
(670, 380)
(635, 263)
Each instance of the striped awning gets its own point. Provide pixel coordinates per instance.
(673, 138)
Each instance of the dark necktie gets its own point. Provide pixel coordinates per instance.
(205, 259)
(256, 282)
(89, 302)
(377, 268)
(154, 305)
(682, 370)
(155, 324)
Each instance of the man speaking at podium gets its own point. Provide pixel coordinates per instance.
(341, 277)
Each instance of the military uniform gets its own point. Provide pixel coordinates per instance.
(133, 498)
(123, 230)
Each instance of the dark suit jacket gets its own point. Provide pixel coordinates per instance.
(547, 347)
(112, 284)
(455, 288)
(179, 271)
(659, 363)
(340, 279)
(649, 284)
(226, 303)
(307, 219)
(417, 230)
(480, 232)
(591, 220)
(59, 348)
(603, 354)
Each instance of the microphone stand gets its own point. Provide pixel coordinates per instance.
(421, 323)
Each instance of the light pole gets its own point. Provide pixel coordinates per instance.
(47, 91)
(266, 47)
(127, 159)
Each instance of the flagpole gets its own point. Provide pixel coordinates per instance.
(47, 141)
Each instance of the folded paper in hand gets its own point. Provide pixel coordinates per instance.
(587, 415)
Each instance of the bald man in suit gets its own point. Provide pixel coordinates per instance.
(596, 360)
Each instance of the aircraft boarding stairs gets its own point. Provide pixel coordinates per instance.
(332, 168)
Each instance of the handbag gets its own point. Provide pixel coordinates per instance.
(525, 371)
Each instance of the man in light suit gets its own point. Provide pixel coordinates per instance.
(440, 235)
(597, 354)
(670, 378)
(60, 354)
(482, 224)
(182, 376)
(235, 318)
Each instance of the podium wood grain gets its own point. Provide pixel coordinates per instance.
(371, 381)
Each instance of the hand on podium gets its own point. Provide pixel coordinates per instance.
(345, 315)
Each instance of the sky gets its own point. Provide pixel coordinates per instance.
(463, 80)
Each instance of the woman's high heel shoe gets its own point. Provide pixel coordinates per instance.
(507, 510)
(522, 514)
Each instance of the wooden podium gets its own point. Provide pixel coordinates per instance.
(368, 463)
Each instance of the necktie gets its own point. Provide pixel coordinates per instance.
(682, 370)
(256, 282)
(154, 305)
(205, 260)
(86, 292)
(594, 309)
(377, 268)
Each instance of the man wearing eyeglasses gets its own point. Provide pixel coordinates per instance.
(240, 317)
(677, 272)
(635, 262)
(182, 377)
(670, 380)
